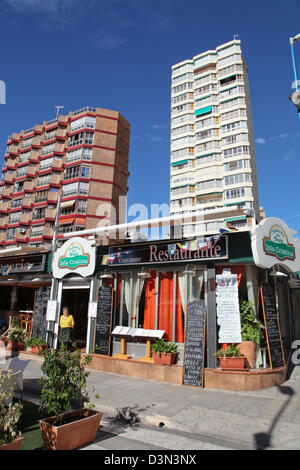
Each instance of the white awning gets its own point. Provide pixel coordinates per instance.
(67, 203)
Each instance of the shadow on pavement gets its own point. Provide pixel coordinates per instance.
(263, 439)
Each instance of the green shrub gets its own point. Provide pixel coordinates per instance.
(9, 415)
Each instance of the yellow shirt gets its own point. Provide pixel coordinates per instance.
(66, 322)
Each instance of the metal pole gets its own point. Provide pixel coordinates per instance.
(53, 293)
(295, 70)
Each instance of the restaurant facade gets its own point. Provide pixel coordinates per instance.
(149, 287)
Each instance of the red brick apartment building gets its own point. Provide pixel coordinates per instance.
(82, 156)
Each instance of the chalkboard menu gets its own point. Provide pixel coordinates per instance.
(274, 342)
(103, 321)
(39, 321)
(193, 361)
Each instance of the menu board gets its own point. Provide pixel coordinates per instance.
(273, 334)
(228, 311)
(39, 321)
(193, 361)
(103, 321)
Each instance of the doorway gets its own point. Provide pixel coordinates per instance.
(77, 299)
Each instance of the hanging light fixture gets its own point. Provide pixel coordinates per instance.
(106, 275)
(190, 270)
(144, 274)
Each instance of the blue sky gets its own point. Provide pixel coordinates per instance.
(118, 54)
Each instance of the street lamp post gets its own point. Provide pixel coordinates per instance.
(295, 96)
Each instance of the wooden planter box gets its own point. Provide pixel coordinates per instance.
(163, 358)
(232, 363)
(73, 434)
(13, 445)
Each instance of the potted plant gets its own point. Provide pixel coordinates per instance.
(164, 352)
(16, 339)
(252, 333)
(35, 345)
(231, 358)
(64, 381)
(10, 437)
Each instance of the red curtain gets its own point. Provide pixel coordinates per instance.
(237, 269)
(165, 307)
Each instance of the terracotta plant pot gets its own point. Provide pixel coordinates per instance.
(163, 358)
(72, 435)
(14, 346)
(13, 445)
(36, 349)
(232, 363)
(248, 349)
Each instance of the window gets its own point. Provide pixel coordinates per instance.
(80, 154)
(48, 148)
(83, 188)
(85, 171)
(233, 139)
(14, 217)
(213, 183)
(70, 189)
(81, 206)
(242, 150)
(24, 157)
(16, 203)
(22, 171)
(39, 213)
(11, 233)
(26, 143)
(81, 138)
(37, 230)
(43, 180)
(236, 165)
(46, 164)
(82, 123)
(41, 196)
(50, 134)
(66, 228)
(71, 172)
(19, 186)
(238, 178)
(235, 193)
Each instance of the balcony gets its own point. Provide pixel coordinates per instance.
(36, 141)
(4, 206)
(22, 235)
(48, 232)
(31, 171)
(27, 202)
(34, 157)
(63, 120)
(59, 149)
(52, 197)
(57, 164)
(7, 191)
(25, 218)
(50, 214)
(8, 178)
(10, 163)
(3, 221)
(55, 180)
(29, 186)
(61, 134)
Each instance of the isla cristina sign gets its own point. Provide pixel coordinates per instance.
(74, 257)
(77, 255)
(277, 244)
(273, 242)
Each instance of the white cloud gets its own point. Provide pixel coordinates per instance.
(289, 155)
(51, 13)
(261, 140)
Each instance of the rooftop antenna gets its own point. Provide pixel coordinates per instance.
(57, 109)
(235, 36)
